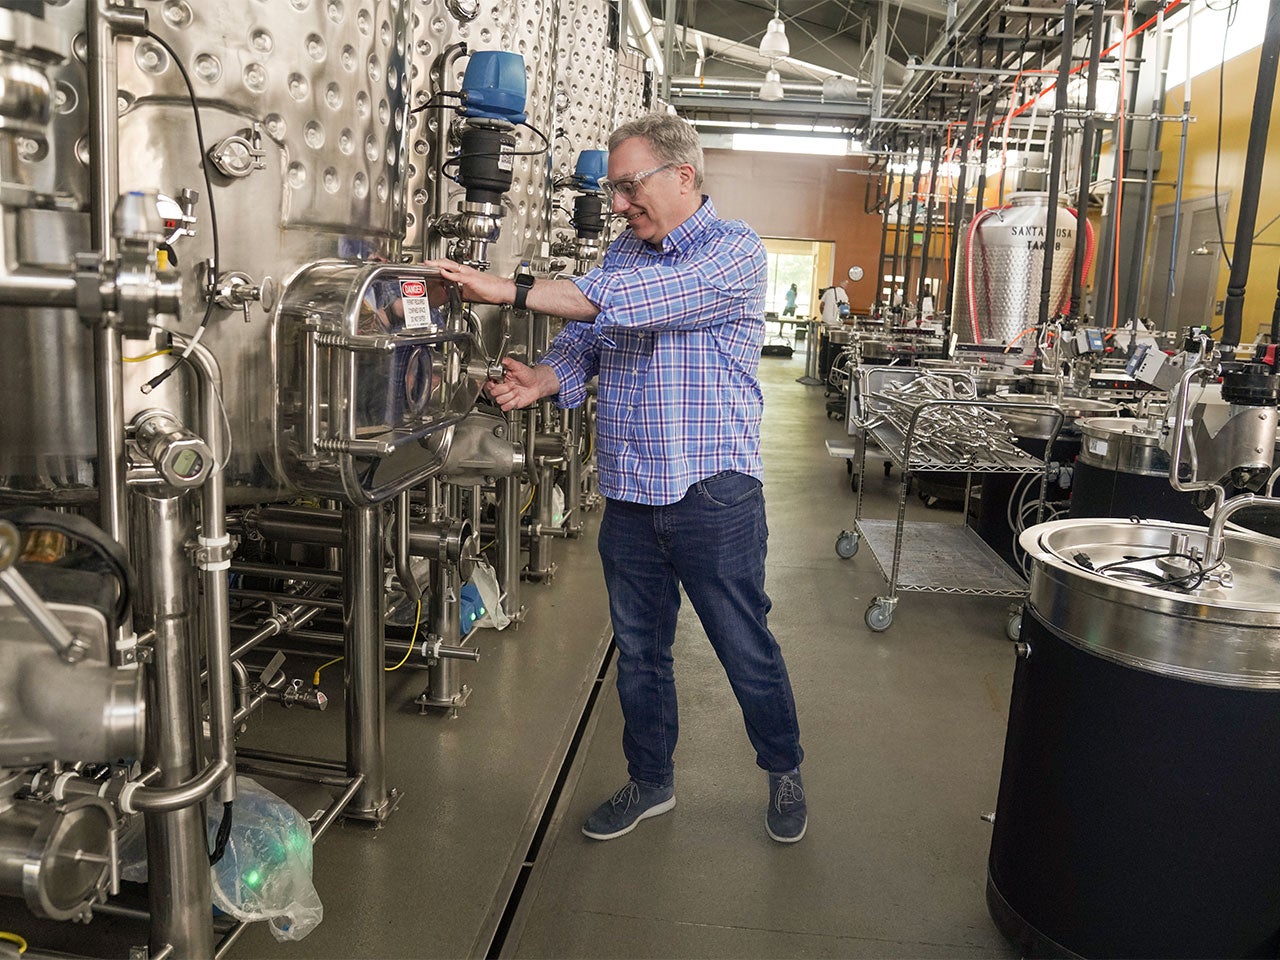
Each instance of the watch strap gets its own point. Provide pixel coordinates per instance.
(524, 283)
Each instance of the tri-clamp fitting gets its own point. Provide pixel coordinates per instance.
(474, 227)
(133, 296)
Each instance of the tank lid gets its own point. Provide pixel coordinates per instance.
(1118, 426)
(1139, 593)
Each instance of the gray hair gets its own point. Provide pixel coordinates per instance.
(671, 139)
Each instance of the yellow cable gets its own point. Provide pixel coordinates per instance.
(14, 938)
(148, 356)
(315, 681)
(416, 623)
(533, 491)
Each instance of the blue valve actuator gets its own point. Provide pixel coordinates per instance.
(493, 86)
(592, 165)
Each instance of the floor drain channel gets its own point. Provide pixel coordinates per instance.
(503, 929)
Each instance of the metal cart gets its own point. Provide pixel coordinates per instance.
(937, 429)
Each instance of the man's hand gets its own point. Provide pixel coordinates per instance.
(477, 286)
(523, 384)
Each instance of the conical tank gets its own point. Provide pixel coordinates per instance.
(999, 267)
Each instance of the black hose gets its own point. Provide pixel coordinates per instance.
(223, 835)
(80, 529)
(1086, 166)
(1055, 163)
(928, 228)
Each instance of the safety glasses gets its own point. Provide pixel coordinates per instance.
(628, 187)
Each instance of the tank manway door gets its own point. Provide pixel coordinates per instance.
(374, 371)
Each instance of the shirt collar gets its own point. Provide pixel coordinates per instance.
(679, 238)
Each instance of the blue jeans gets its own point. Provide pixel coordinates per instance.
(713, 542)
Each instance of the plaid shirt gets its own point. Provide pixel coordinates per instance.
(676, 347)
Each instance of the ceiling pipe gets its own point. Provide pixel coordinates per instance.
(692, 85)
(642, 26)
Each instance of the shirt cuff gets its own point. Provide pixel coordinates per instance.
(573, 386)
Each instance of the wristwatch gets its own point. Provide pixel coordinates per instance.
(524, 283)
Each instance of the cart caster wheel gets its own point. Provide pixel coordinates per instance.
(848, 466)
(887, 467)
(846, 544)
(853, 482)
(879, 615)
(1013, 629)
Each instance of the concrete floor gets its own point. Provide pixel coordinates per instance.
(903, 733)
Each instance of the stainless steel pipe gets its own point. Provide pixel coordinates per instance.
(177, 855)
(363, 677)
(213, 552)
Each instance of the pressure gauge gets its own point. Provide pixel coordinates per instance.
(179, 456)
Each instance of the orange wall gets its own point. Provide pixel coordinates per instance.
(800, 197)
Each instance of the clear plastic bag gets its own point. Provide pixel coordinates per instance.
(486, 582)
(265, 873)
(557, 506)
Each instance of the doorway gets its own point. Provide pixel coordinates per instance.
(806, 263)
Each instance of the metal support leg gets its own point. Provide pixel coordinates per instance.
(444, 677)
(810, 378)
(508, 533)
(177, 855)
(541, 567)
(362, 599)
(573, 473)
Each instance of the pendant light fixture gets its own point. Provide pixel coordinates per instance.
(774, 43)
(771, 89)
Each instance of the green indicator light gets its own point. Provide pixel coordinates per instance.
(253, 879)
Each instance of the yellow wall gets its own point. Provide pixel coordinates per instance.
(1240, 79)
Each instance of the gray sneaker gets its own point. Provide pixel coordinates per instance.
(620, 813)
(787, 817)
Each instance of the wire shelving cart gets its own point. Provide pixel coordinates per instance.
(926, 423)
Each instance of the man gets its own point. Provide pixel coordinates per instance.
(835, 304)
(672, 324)
(789, 310)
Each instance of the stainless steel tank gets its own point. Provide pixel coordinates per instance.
(1136, 812)
(526, 28)
(1122, 471)
(47, 439)
(598, 86)
(304, 111)
(304, 106)
(579, 88)
(999, 266)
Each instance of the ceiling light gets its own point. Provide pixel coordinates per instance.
(771, 89)
(774, 43)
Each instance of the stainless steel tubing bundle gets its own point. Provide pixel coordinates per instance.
(961, 434)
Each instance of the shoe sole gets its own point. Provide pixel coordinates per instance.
(774, 836)
(654, 811)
